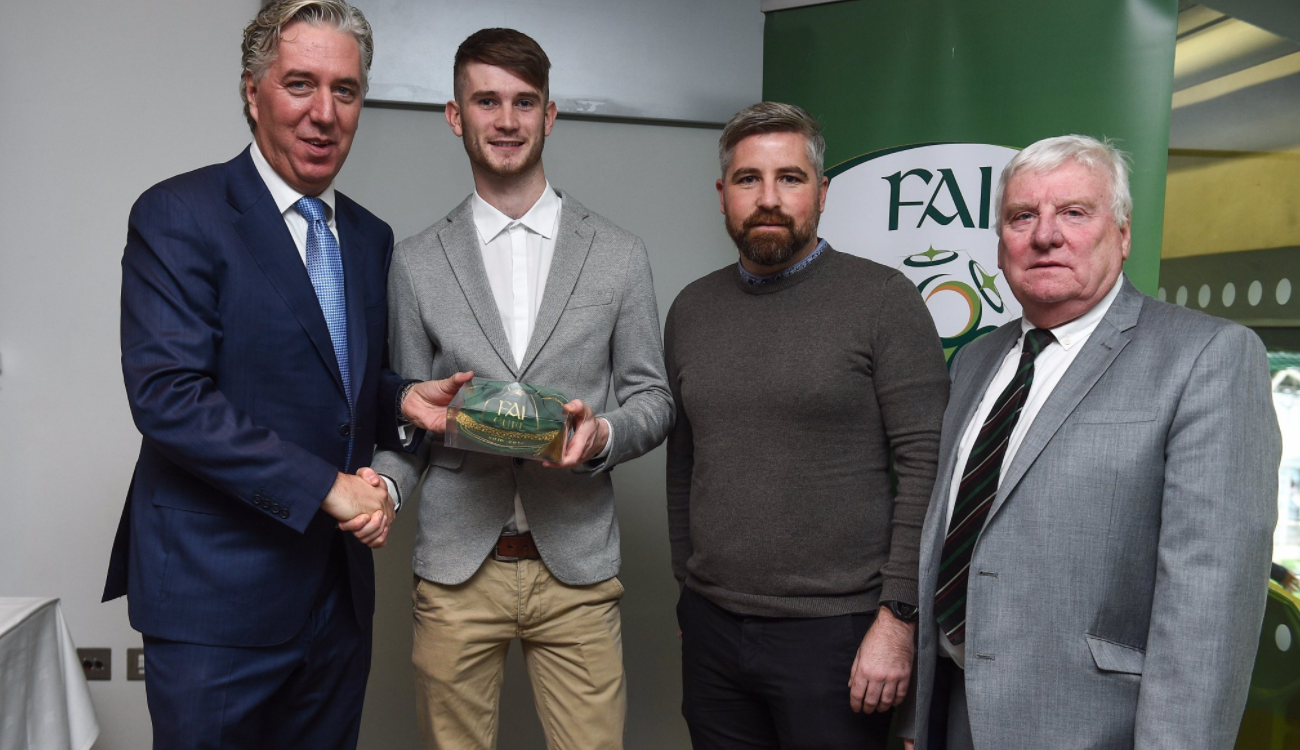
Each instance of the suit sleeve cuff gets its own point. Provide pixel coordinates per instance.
(394, 494)
(899, 590)
(600, 462)
(609, 443)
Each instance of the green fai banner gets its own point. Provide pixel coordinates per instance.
(924, 102)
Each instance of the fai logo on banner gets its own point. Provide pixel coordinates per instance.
(928, 211)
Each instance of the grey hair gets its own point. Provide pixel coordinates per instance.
(262, 37)
(1097, 155)
(772, 117)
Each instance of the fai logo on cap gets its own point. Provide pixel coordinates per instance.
(928, 211)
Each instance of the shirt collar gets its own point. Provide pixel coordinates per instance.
(754, 279)
(540, 219)
(284, 195)
(1071, 333)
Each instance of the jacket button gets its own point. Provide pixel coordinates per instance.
(519, 462)
(345, 430)
(284, 513)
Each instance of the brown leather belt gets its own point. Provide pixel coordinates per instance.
(516, 547)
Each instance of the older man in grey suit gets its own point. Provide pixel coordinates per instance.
(1095, 557)
(521, 282)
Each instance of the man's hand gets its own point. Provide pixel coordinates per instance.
(588, 439)
(909, 745)
(882, 669)
(372, 529)
(362, 506)
(426, 403)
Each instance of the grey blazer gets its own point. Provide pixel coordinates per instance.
(1117, 590)
(598, 317)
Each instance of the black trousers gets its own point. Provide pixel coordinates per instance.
(949, 722)
(772, 682)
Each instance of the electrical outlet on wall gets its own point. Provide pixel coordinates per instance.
(135, 664)
(97, 663)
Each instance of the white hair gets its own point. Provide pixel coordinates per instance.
(1097, 155)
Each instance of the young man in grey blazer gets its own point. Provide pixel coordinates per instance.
(1096, 554)
(521, 282)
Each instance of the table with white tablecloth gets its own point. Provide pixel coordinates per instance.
(44, 700)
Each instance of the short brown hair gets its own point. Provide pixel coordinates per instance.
(262, 38)
(772, 117)
(512, 50)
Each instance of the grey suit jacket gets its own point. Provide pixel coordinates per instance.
(1117, 590)
(598, 317)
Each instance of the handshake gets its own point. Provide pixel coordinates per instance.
(360, 502)
(361, 505)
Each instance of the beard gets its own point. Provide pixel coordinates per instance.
(480, 154)
(770, 248)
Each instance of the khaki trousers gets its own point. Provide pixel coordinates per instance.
(572, 643)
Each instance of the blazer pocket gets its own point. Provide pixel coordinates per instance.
(589, 300)
(1115, 657)
(448, 458)
(1114, 416)
(191, 504)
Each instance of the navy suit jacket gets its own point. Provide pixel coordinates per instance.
(233, 382)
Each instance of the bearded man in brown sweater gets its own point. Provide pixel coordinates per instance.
(799, 375)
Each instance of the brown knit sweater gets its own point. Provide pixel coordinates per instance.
(791, 397)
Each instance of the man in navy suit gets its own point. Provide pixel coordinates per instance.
(253, 348)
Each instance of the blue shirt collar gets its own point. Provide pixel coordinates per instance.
(755, 280)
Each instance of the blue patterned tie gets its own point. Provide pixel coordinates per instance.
(325, 267)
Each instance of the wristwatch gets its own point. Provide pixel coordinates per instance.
(904, 612)
(401, 397)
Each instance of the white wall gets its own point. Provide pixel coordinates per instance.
(101, 100)
(619, 69)
(97, 102)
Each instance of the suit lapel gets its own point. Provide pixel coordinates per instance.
(572, 245)
(267, 239)
(460, 242)
(1099, 352)
(969, 390)
(977, 364)
(353, 262)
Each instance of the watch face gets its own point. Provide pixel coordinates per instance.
(904, 612)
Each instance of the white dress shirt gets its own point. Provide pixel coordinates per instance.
(285, 197)
(1049, 367)
(517, 256)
